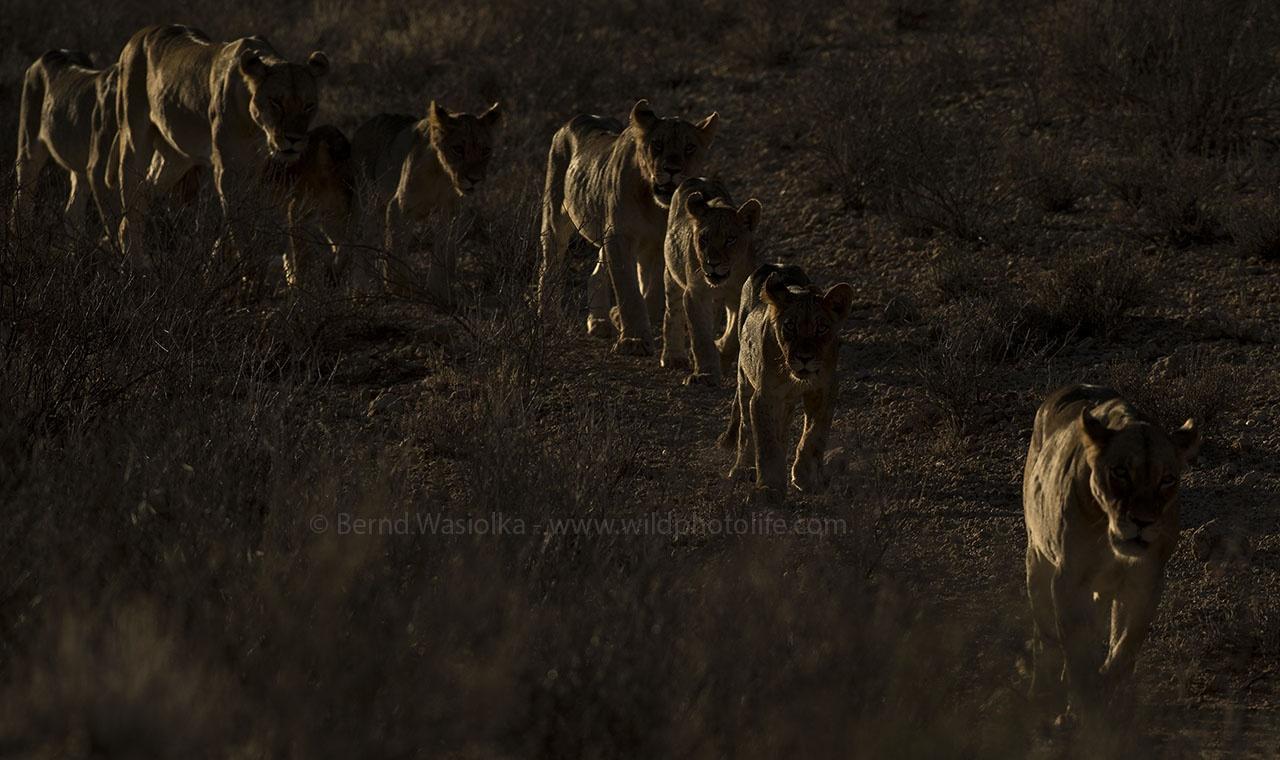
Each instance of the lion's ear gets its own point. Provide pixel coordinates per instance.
(708, 127)
(749, 213)
(437, 115)
(643, 116)
(1187, 440)
(318, 64)
(775, 292)
(493, 116)
(1095, 430)
(697, 204)
(839, 300)
(251, 65)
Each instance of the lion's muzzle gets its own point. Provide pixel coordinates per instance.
(715, 273)
(288, 149)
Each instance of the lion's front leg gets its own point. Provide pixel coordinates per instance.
(1078, 631)
(254, 222)
(442, 263)
(620, 258)
(1132, 611)
(706, 359)
(675, 325)
(806, 471)
(728, 343)
(396, 268)
(1047, 662)
(768, 426)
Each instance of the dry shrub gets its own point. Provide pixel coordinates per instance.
(1088, 293)
(1182, 386)
(1198, 77)
(955, 370)
(1254, 226)
(1174, 198)
(1084, 294)
(1048, 174)
(772, 34)
(892, 147)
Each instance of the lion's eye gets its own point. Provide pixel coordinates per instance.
(731, 241)
(657, 146)
(688, 149)
(822, 329)
(1168, 481)
(1120, 473)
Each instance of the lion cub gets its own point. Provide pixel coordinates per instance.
(788, 355)
(421, 167)
(320, 189)
(1099, 497)
(708, 256)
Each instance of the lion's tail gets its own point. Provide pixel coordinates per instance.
(553, 212)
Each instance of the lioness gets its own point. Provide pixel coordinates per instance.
(708, 256)
(67, 114)
(789, 352)
(186, 101)
(612, 185)
(321, 188)
(420, 167)
(1099, 499)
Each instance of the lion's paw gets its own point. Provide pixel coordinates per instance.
(674, 361)
(600, 328)
(633, 347)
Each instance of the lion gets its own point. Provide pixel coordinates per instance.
(321, 191)
(708, 257)
(612, 184)
(423, 167)
(187, 101)
(789, 351)
(1100, 499)
(67, 113)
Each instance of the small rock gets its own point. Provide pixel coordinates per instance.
(1216, 543)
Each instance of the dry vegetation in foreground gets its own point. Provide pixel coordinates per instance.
(1022, 195)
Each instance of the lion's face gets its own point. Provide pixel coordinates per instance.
(1135, 473)
(669, 150)
(721, 235)
(283, 98)
(805, 321)
(463, 142)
